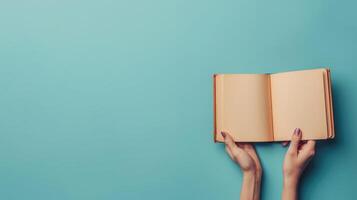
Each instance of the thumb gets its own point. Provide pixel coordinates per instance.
(295, 140)
(228, 140)
(235, 149)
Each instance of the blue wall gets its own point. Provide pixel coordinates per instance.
(113, 99)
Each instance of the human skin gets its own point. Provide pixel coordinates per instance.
(296, 159)
(245, 156)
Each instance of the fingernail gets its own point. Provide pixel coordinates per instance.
(223, 134)
(297, 132)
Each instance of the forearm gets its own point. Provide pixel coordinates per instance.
(290, 189)
(250, 186)
(258, 181)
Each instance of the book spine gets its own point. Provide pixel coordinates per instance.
(214, 109)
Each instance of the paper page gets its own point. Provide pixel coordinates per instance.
(328, 97)
(298, 101)
(243, 107)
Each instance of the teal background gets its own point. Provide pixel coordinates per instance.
(113, 99)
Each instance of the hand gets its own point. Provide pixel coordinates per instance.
(243, 154)
(298, 155)
(246, 157)
(296, 159)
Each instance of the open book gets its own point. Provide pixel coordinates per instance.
(268, 107)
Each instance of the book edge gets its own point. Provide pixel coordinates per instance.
(214, 109)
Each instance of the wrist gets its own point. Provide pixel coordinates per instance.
(290, 187)
(256, 176)
(248, 185)
(251, 184)
(257, 173)
(291, 181)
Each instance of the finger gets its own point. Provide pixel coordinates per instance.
(295, 140)
(231, 145)
(249, 148)
(307, 145)
(308, 150)
(228, 149)
(285, 143)
(245, 145)
(228, 140)
(229, 153)
(310, 144)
